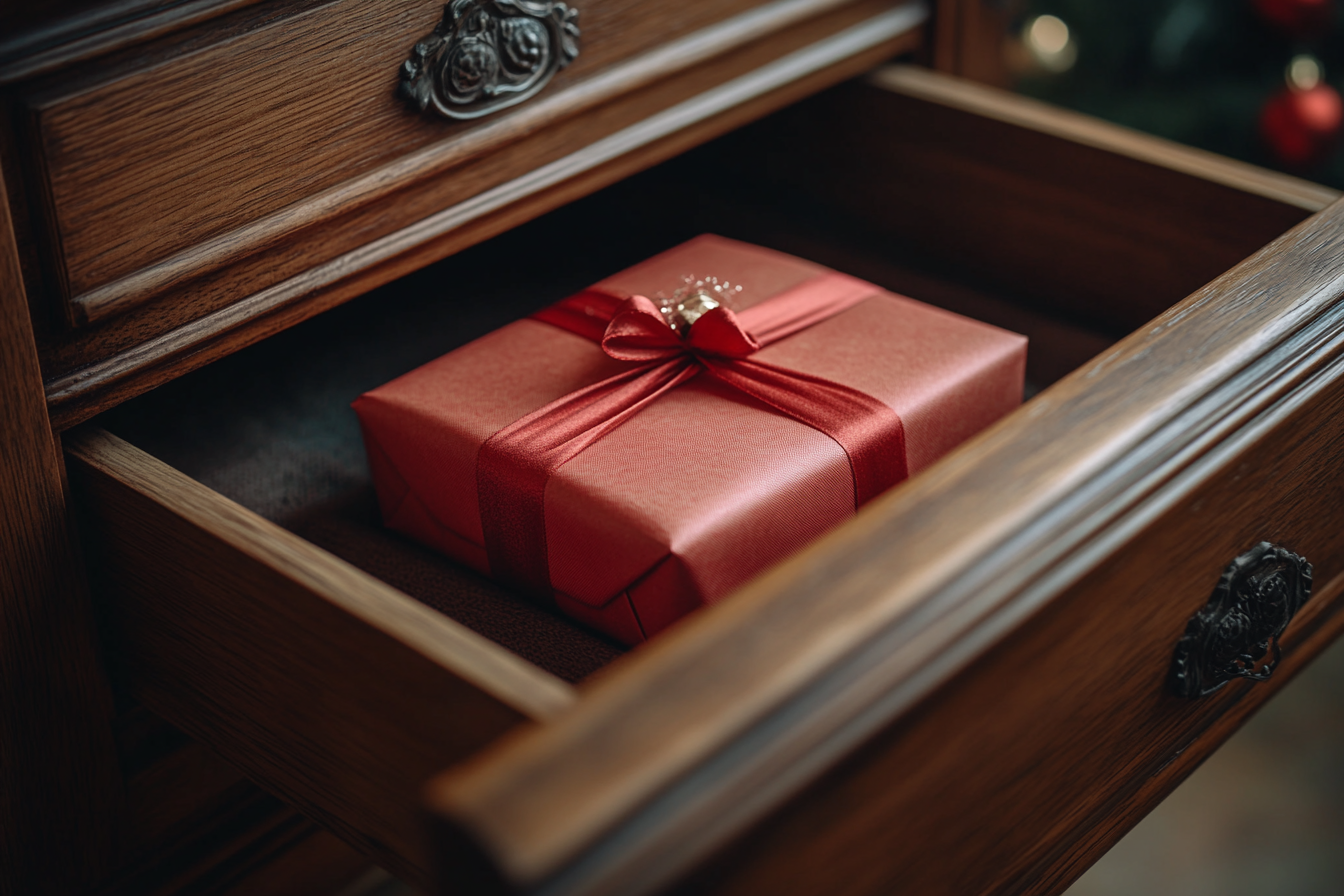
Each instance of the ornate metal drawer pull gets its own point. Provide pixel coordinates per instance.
(487, 55)
(1236, 634)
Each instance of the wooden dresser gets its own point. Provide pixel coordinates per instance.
(223, 219)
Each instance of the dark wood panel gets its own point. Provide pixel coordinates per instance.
(60, 790)
(327, 687)
(969, 39)
(1070, 859)
(553, 167)
(263, 848)
(309, 106)
(1049, 747)
(39, 38)
(1100, 222)
(1099, 515)
(194, 824)
(173, 786)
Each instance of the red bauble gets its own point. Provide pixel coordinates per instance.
(1303, 126)
(1300, 18)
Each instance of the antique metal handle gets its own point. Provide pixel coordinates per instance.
(487, 55)
(1236, 634)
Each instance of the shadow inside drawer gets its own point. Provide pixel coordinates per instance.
(350, 527)
(271, 428)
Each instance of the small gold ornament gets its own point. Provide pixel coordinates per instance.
(692, 300)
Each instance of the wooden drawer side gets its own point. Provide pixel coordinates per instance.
(1097, 222)
(324, 685)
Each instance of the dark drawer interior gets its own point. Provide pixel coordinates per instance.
(271, 428)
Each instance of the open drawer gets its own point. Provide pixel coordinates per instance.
(964, 689)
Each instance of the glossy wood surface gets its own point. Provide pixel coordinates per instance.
(59, 783)
(330, 688)
(309, 104)
(1071, 718)
(1065, 534)
(359, 247)
(93, 53)
(40, 38)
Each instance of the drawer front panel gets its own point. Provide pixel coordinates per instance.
(421, 189)
(147, 163)
(1052, 745)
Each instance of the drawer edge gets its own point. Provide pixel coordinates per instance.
(529, 690)
(1038, 116)
(918, 591)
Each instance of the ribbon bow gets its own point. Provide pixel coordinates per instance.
(514, 464)
(639, 332)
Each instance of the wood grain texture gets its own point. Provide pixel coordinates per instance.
(961, 94)
(1071, 718)
(1106, 225)
(247, 838)
(264, 231)
(194, 824)
(60, 790)
(326, 686)
(160, 341)
(39, 38)
(206, 177)
(1100, 514)
(1023, 799)
(1069, 859)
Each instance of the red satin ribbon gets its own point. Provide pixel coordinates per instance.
(514, 465)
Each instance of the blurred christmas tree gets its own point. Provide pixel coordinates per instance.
(1251, 79)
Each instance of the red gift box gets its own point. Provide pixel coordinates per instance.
(593, 456)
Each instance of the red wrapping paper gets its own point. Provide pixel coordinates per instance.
(705, 486)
